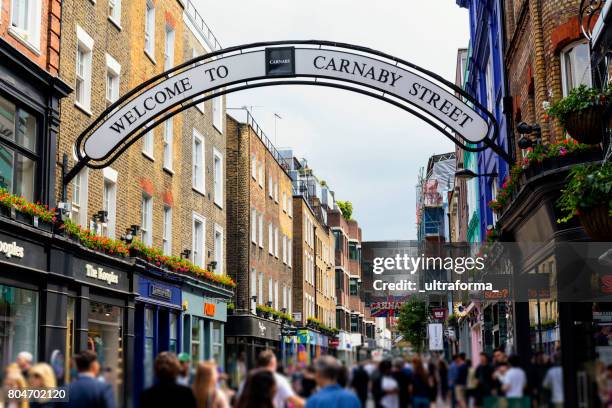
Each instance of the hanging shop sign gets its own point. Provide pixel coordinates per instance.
(438, 314)
(416, 90)
(436, 339)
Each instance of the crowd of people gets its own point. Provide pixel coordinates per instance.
(399, 383)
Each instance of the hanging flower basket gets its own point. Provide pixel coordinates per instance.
(587, 196)
(597, 223)
(586, 125)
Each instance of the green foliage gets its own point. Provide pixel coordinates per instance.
(347, 209)
(588, 186)
(578, 99)
(412, 322)
(535, 156)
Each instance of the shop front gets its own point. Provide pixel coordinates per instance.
(97, 313)
(204, 317)
(23, 261)
(157, 324)
(246, 336)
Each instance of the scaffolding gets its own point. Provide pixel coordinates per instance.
(433, 185)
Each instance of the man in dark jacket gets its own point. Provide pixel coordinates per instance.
(360, 383)
(166, 392)
(87, 390)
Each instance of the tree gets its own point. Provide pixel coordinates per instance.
(412, 323)
(347, 209)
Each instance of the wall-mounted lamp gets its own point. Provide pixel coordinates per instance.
(186, 253)
(467, 174)
(525, 129)
(269, 303)
(130, 233)
(212, 265)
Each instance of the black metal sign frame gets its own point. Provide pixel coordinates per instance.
(286, 77)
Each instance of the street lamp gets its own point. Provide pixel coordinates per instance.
(467, 174)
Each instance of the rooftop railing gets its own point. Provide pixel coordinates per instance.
(201, 25)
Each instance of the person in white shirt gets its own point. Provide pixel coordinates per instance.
(389, 386)
(514, 379)
(554, 382)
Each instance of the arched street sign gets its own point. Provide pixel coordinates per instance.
(416, 90)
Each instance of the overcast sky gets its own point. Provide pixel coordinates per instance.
(369, 152)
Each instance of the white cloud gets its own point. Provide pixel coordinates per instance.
(369, 152)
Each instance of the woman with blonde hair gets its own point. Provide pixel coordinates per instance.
(41, 376)
(13, 380)
(205, 387)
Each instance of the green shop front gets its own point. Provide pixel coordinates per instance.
(204, 316)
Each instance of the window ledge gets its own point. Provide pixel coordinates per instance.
(115, 23)
(220, 131)
(148, 156)
(83, 109)
(197, 190)
(19, 37)
(168, 170)
(151, 57)
(219, 205)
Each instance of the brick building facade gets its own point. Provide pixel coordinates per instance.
(259, 237)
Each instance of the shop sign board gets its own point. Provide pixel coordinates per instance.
(436, 338)
(22, 252)
(85, 270)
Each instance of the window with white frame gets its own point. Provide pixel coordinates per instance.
(575, 66)
(252, 288)
(284, 248)
(254, 166)
(253, 226)
(276, 192)
(82, 90)
(276, 295)
(290, 302)
(198, 240)
(219, 249)
(290, 254)
(494, 195)
(260, 230)
(149, 33)
(218, 177)
(284, 297)
(270, 290)
(217, 113)
(114, 11)
(290, 205)
(78, 214)
(26, 21)
(276, 242)
(168, 144)
(148, 143)
(167, 232)
(109, 201)
(260, 174)
(113, 72)
(198, 171)
(270, 239)
(169, 48)
(260, 292)
(490, 79)
(270, 187)
(146, 223)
